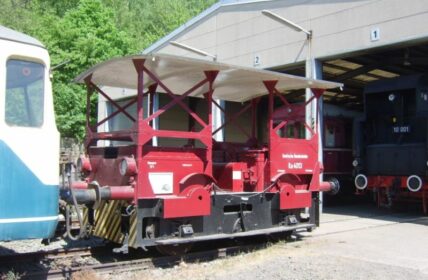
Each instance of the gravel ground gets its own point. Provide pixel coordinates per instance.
(354, 242)
(361, 245)
(23, 246)
(10, 272)
(297, 260)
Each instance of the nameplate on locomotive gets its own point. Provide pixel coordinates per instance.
(401, 129)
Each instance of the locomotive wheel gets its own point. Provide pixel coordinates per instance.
(174, 250)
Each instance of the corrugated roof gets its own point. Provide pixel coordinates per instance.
(12, 35)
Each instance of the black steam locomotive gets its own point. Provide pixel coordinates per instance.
(391, 141)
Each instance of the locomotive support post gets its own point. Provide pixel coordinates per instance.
(313, 71)
(211, 75)
(270, 85)
(139, 66)
(317, 74)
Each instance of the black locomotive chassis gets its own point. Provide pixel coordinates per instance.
(232, 215)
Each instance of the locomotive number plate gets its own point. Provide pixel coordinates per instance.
(401, 129)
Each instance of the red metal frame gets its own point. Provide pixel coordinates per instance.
(293, 163)
(382, 184)
(307, 149)
(338, 157)
(288, 166)
(191, 168)
(232, 120)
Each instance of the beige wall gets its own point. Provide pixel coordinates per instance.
(236, 33)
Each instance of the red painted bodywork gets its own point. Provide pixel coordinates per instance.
(122, 193)
(285, 165)
(337, 151)
(290, 198)
(383, 183)
(231, 175)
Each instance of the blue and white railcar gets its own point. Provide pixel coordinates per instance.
(29, 140)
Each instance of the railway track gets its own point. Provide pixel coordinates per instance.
(143, 263)
(43, 255)
(33, 265)
(110, 262)
(39, 256)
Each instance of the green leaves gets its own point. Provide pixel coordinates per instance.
(149, 20)
(84, 36)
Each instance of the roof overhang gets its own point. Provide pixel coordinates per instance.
(233, 83)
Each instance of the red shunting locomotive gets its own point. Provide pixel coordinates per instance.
(141, 192)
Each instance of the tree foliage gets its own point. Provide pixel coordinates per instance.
(82, 33)
(148, 20)
(84, 36)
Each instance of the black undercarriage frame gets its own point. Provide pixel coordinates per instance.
(232, 216)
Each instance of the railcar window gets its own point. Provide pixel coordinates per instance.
(24, 93)
(330, 136)
(293, 129)
(121, 121)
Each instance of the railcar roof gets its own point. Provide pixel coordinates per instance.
(12, 35)
(233, 83)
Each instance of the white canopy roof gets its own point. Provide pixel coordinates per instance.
(233, 83)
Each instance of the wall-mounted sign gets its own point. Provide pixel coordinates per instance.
(374, 34)
(256, 60)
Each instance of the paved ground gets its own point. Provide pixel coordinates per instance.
(367, 234)
(353, 242)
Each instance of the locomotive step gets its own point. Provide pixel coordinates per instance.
(173, 241)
